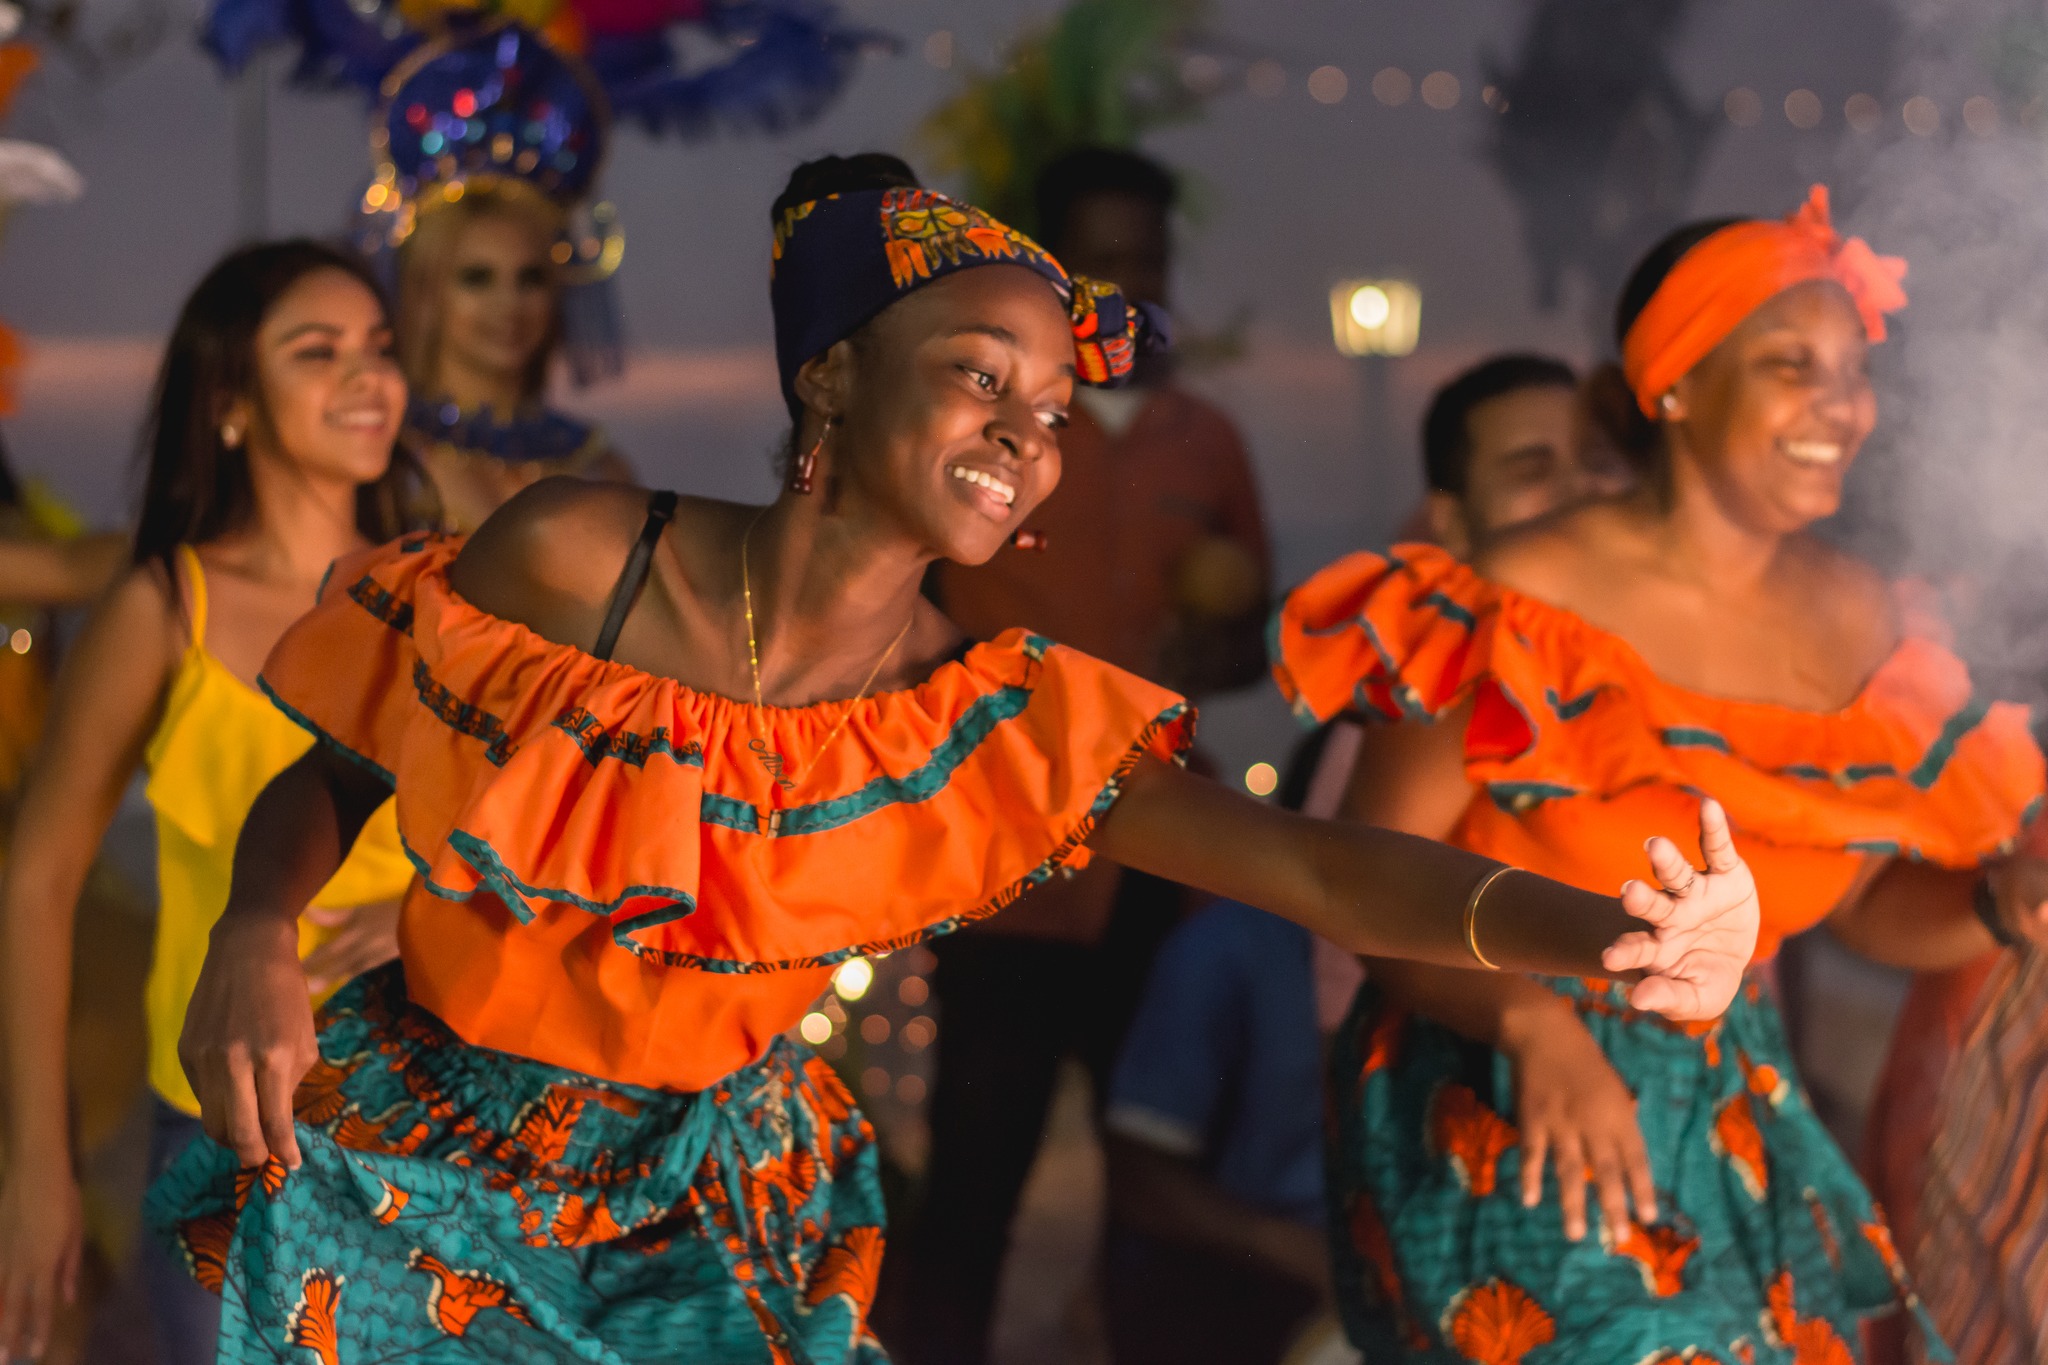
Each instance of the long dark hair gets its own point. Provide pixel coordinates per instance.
(195, 487)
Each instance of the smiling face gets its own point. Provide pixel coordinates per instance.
(498, 298)
(1772, 419)
(329, 394)
(949, 407)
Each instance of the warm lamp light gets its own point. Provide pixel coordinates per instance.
(1375, 317)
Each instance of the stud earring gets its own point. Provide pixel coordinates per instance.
(804, 469)
(230, 435)
(1668, 404)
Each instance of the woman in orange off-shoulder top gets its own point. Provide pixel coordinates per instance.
(652, 808)
(1583, 684)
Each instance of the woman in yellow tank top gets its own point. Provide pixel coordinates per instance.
(269, 444)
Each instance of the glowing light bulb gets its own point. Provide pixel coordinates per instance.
(1370, 306)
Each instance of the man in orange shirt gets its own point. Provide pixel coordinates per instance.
(1154, 557)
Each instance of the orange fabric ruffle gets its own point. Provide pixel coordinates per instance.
(583, 829)
(1580, 752)
(1736, 271)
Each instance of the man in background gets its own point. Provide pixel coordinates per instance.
(1154, 557)
(1508, 441)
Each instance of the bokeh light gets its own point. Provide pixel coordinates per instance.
(815, 1028)
(853, 978)
(1440, 90)
(1328, 85)
(1261, 779)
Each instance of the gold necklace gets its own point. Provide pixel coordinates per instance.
(754, 654)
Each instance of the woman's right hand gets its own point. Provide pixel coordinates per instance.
(1575, 1112)
(248, 1038)
(42, 1237)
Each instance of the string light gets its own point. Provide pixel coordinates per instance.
(918, 1034)
(1922, 116)
(874, 1030)
(913, 991)
(1261, 779)
(1328, 85)
(1743, 106)
(938, 49)
(1392, 86)
(1802, 109)
(1265, 78)
(815, 1028)
(1980, 116)
(1863, 113)
(1440, 90)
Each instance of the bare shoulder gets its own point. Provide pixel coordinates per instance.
(1555, 558)
(1845, 594)
(139, 613)
(558, 541)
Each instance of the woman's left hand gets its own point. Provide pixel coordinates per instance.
(368, 938)
(1705, 926)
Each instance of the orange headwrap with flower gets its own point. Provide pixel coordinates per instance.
(1736, 271)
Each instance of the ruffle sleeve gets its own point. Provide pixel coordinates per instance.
(1566, 715)
(710, 833)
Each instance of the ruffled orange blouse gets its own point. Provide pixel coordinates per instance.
(1580, 752)
(617, 877)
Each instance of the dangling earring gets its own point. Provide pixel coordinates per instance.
(803, 470)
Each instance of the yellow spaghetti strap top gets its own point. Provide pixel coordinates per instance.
(219, 743)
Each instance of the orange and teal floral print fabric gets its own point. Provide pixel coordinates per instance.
(457, 1204)
(1768, 1250)
(841, 260)
(632, 879)
(1580, 752)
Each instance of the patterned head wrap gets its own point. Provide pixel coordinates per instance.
(842, 259)
(1737, 270)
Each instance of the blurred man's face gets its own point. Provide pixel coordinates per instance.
(1120, 238)
(1528, 459)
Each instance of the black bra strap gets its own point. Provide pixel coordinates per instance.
(660, 508)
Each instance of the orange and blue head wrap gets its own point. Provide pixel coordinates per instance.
(842, 259)
(1737, 270)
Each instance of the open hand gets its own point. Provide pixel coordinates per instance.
(1574, 1109)
(1705, 926)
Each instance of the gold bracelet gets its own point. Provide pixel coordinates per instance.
(1472, 917)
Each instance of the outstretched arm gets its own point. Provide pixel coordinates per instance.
(248, 1037)
(1384, 894)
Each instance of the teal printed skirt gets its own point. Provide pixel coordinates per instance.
(458, 1204)
(1768, 1251)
